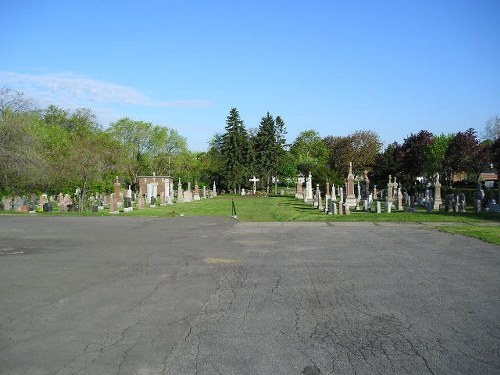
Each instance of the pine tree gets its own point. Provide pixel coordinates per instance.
(235, 151)
(269, 143)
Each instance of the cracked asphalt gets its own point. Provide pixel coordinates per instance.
(122, 295)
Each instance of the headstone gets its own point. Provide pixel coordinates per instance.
(7, 203)
(327, 188)
(400, 200)
(379, 207)
(127, 203)
(478, 198)
(308, 196)
(299, 194)
(113, 205)
(350, 198)
(180, 193)
(188, 194)
(388, 207)
(341, 195)
(461, 202)
(334, 194)
(117, 191)
(347, 209)
(318, 196)
(43, 199)
(437, 193)
(141, 201)
(429, 202)
(243, 192)
(390, 190)
(169, 191)
(204, 196)
(196, 195)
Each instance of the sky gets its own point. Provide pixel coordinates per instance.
(393, 67)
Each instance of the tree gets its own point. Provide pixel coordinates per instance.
(361, 148)
(466, 154)
(149, 147)
(436, 153)
(387, 163)
(268, 145)
(492, 128)
(21, 165)
(14, 102)
(311, 155)
(414, 151)
(235, 151)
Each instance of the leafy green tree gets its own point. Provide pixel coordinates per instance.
(21, 165)
(150, 148)
(311, 155)
(361, 148)
(436, 153)
(235, 151)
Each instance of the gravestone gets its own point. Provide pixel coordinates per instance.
(388, 207)
(43, 199)
(347, 209)
(350, 198)
(318, 196)
(113, 205)
(461, 202)
(196, 195)
(327, 188)
(117, 190)
(214, 190)
(334, 193)
(429, 202)
(390, 190)
(437, 193)
(308, 196)
(478, 198)
(127, 203)
(141, 201)
(7, 203)
(400, 200)
(188, 194)
(379, 207)
(204, 196)
(299, 194)
(180, 193)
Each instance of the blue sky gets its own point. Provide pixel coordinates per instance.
(394, 67)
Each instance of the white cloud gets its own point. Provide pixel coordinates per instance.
(71, 88)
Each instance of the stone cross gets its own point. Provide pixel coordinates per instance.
(254, 180)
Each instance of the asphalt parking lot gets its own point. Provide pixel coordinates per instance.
(119, 295)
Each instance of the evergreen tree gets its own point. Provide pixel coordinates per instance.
(269, 143)
(235, 151)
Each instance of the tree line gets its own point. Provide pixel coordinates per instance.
(56, 150)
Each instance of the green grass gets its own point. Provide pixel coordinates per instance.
(286, 209)
(489, 234)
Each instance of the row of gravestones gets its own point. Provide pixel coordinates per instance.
(393, 193)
